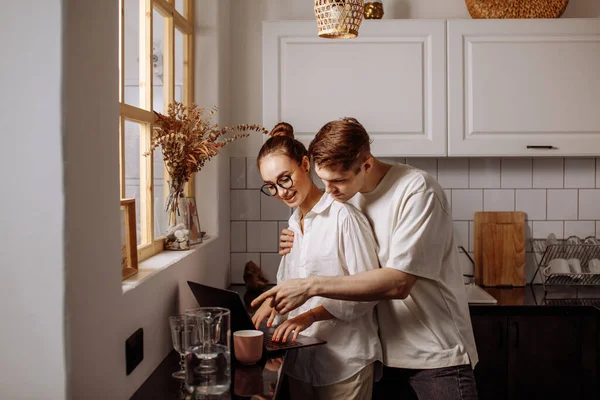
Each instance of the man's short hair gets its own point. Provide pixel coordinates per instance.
(340, 144)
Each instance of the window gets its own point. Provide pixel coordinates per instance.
(156, 67)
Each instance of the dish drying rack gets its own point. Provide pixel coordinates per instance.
(567, 286)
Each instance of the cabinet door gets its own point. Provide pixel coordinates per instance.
(514, 84)
(392, 78)
(491, 373)
(545, 357)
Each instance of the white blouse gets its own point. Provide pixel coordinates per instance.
(337, 240)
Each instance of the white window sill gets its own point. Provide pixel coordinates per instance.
(153, 265)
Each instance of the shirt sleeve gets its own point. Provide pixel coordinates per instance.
(358, 253)
(419, 236)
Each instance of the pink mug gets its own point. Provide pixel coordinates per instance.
(248, 346)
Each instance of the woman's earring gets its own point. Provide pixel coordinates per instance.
(306, 170)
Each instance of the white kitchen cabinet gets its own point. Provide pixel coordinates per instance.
(513, 84)
(392, 78)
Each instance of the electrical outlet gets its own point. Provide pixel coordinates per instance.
(134, 350)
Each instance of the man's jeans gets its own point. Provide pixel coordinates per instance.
(449, 383)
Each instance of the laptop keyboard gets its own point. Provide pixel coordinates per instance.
(270, 344)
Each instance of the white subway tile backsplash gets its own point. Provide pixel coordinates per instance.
(237, 173)
(498, 200)
(562, 204)
(269, 264)
(238, 263)
(484, 173)
(541, 229)
(262, 236)
(453, 173)
(582, 229)
(465, 203)
(532, 202)
(548, 173)
(272, 209)
(245, 205)
(461, 234)
(428, 165)
(589, 204)
(393, 160)
(516, 173)
(580, 173)
(238, 236)
(557, 194)
(253, 178)
(471, 236)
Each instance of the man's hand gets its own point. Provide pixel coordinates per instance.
(294, 325)
(287, 296)
(265, 311)
(286, 241)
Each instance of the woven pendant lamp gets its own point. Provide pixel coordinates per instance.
(339, 19)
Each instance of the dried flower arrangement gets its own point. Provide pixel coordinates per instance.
(188, 138)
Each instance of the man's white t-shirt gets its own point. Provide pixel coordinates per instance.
(411, 218)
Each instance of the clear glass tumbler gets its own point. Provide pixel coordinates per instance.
(207, 351)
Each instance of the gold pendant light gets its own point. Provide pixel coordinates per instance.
(339, 19)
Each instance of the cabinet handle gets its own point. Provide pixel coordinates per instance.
(541, 147)
(501, 331)
(516, 331)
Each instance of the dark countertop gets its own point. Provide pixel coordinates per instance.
(532, 299)
(256, 381)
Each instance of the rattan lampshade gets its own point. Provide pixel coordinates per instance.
(339, 19)
(516, 8)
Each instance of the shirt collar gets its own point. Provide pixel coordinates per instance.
(322, 205)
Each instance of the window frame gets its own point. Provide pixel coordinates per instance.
(144, 114)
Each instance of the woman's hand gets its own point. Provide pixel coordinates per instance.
(296, 325)
(265, 311)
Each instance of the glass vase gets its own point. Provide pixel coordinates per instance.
(178, 217)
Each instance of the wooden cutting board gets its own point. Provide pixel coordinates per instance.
(499, 248)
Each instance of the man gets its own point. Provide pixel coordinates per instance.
(425, 328)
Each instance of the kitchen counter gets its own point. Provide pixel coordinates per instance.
(531, 300)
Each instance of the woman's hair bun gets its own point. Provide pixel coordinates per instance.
(282, 129)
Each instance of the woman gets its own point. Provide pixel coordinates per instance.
(331, 238)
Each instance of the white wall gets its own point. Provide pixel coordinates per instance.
(32, 345)
(246, 43)
(101, 317)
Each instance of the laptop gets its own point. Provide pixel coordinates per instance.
(208, 296)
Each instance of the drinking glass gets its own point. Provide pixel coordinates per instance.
(207, 350)
(178, 332)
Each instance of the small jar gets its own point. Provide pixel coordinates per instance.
(373, 9)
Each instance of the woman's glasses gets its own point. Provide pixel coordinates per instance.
(284, 182)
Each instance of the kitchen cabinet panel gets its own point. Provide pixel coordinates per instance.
(491, 373)
(537, 355)
(513, 84)
(545, 358)
(392, 78)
